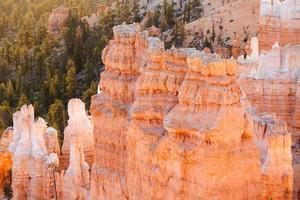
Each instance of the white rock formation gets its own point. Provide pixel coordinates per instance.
(78, 124)
(76, 178)
(30, 171)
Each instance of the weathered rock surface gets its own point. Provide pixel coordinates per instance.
(272, 88)
(51, 141)
(279, 22)
(274, 142)
(76, 178)
(171, 125)
(31, 177)
(57, 19)
(110, 112)
(78, 124)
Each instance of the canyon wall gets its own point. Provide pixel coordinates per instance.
(273, 88)
(166, 120)
(279, 22)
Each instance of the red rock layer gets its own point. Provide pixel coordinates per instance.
(170, 125)
(209, 117)
(110, 113)
(5, 159)
(155, 95)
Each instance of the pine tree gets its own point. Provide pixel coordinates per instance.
(22, 101)
(53, 87)
(5, 116)
(135, 12)
(9, 94)
(92, 90)
(2, 91)
(57, 118)
(78, 48)
(71, 82)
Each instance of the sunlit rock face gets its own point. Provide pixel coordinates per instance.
(78, 124)
(31, 165)
(214, 119)
(110, 112)
(155, 95)
(169, 124)
(279, 22)
(57, 20)
(5, 159)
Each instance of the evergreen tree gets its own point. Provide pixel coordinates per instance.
(22, 101)
(71, 82)
(57, 118)
(178, 33)
(135, 12)
(92, 90)
(2, 91)
(5, 116)
(9, 94)
(53, 87)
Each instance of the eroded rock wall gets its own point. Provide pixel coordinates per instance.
(273, 88)
(274, 143)
(279, 22)
(171, 125)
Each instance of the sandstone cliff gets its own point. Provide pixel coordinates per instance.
(166, 120)
(273, 87)
(279, 22)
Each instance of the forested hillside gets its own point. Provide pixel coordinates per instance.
(47, 71)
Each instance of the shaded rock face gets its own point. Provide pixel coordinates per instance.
(51, 141)
(31, 163)
(57, 19)
(274, 143)
(5, 159)
(279, 22)
(78, 124)
(273, 88)
(169, 124)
